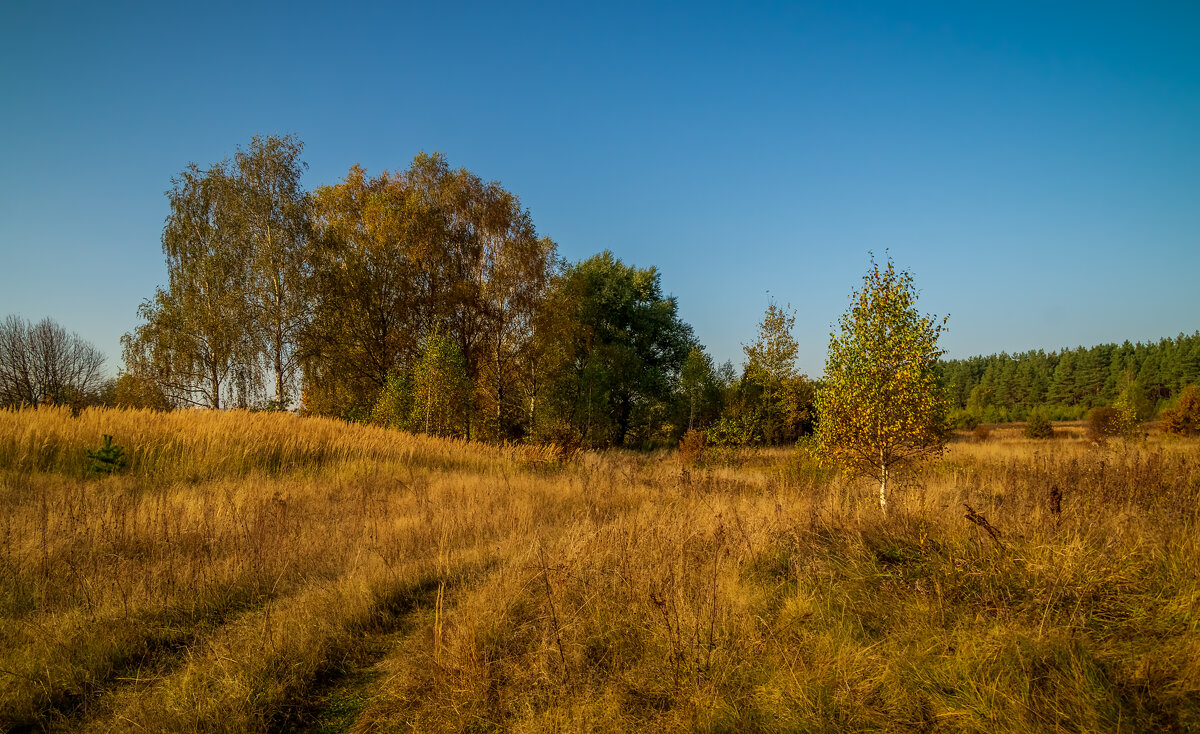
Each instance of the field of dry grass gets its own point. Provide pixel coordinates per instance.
(254, 572)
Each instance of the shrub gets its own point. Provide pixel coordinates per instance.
(734, 432)
(1108, 421)
(964, 420)
(1184, 418)
(1103, 422)
(1039, 426)
(691, 447)
(981, 433)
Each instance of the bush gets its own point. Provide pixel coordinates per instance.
(691, 447)
(1039, 426)
(1184, 418)
(1103, 422)
(964, 420)
(981, 433)
(1107, 422)
(733, 432)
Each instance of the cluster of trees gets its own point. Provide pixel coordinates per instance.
(425, 299)
(771, 402)
(238, 242)
(1067, 384)
(43, 363)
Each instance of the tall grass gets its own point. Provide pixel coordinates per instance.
(254, 572)
(202, 444)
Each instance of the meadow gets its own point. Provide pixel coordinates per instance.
(259, 572)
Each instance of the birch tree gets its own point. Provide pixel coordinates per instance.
(275, 233)
(881, 408)
(195, 341)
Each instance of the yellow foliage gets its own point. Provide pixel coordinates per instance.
(881, 408)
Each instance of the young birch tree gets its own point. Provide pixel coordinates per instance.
(441, 386)
(881, 408)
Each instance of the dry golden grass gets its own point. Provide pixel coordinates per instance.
(254, 572)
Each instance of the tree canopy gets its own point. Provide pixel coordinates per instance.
(616, 350)
(881, 407)
(44, 363)
(196, 341)
(1068, 383)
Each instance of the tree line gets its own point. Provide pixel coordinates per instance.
(1065, 385)
(425, 299)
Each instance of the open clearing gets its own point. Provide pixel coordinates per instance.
(253, 572)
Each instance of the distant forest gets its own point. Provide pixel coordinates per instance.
(1067, 384)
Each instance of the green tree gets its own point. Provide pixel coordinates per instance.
(1132, 399)
(695, 380)
(796, 407)
(616, 345)
(440, 386)
(771, 362)
(880, 408)
(1039, 426)
(394, 406)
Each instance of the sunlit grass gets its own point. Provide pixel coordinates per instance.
(253, 572)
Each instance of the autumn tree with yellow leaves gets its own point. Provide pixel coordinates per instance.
(881, 408)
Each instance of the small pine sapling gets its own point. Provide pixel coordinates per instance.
(108, 459)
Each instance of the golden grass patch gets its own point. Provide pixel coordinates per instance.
(255, 572)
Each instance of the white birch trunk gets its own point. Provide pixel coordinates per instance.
(883, 473)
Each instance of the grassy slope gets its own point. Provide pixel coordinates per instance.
(257, 572)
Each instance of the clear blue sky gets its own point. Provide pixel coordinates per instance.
(1037, 169)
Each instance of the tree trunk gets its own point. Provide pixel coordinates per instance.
(501, 429)
(883, 477)
(216, 388)
(279, 378)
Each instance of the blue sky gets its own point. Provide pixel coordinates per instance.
(1037, 169)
